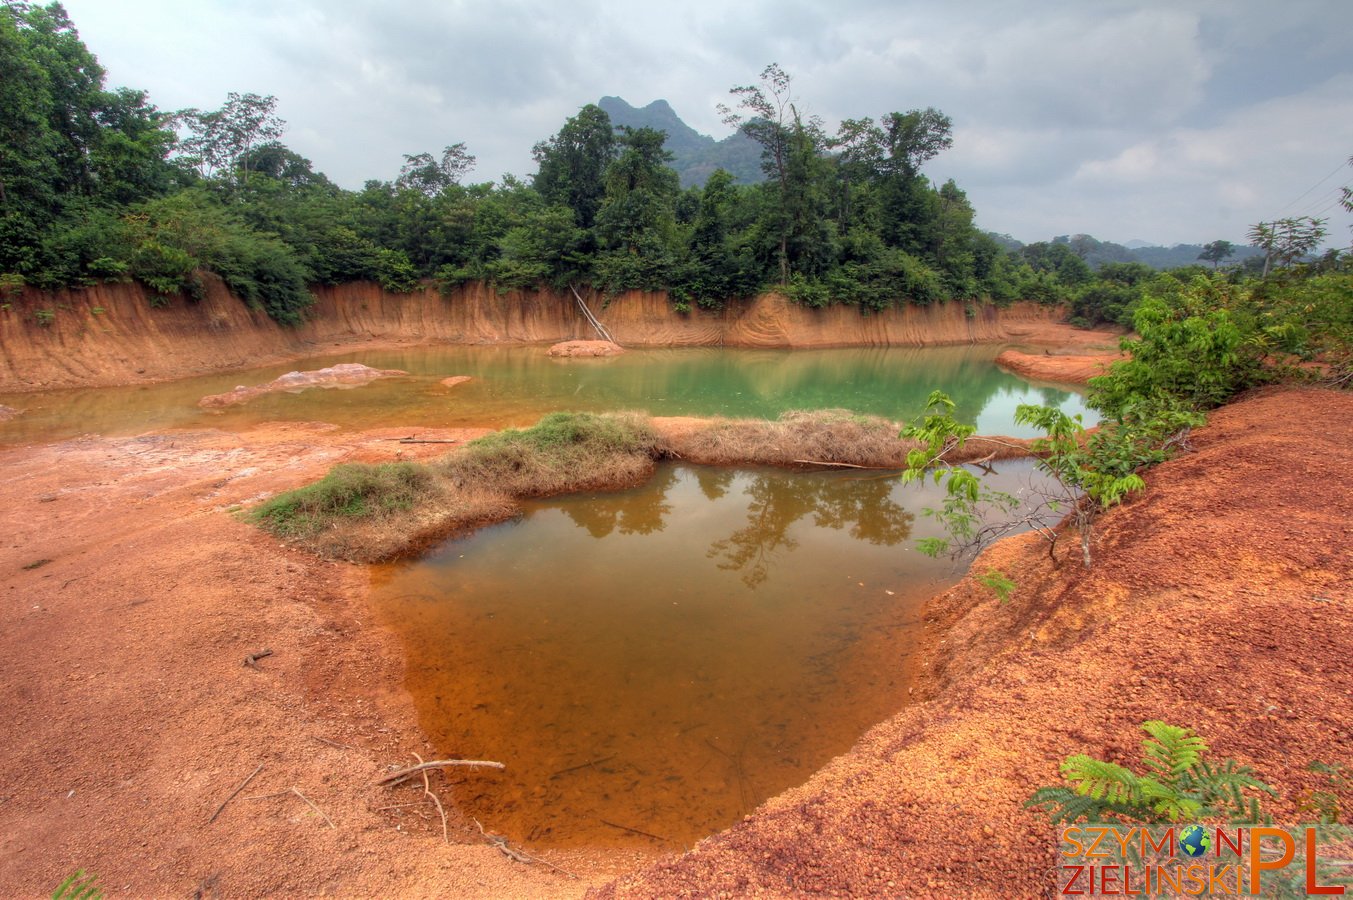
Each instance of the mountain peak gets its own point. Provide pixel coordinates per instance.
(695, 155)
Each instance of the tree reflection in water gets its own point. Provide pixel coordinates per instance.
(777, 502)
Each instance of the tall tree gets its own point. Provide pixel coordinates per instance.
(430, 176)
(220, 141)
(1284, 241)
(1217, 251)
(572, 164)
(788, 145)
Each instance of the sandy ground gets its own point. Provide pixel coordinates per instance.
(132, 597)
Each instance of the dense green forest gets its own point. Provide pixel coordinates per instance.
(97, 184)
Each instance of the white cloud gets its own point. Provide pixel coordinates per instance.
(1181, 120)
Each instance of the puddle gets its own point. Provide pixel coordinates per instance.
(651, 665)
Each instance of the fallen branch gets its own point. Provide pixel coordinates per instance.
(637, 831)
(822, 462)
(332, 743)
(243, 785)
(427, 789)
(252, 659)
(589, 763)
(315, 808)
(520, 856)
(397, 777)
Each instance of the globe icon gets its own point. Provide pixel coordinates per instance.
(1195, 841)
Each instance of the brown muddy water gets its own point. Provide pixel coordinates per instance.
(653, 664)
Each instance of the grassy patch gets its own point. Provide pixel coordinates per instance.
(368, 513)
(351, 491)
(561, 453)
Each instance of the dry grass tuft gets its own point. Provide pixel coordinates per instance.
(827, 436)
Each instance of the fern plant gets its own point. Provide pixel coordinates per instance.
(1178, 783)
(79, 887)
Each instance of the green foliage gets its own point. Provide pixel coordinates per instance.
(351, 491)
(966, 497)
(1178, 783)
(44, 316)
(79, 886)
(998, 583)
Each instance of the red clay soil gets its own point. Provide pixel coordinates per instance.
(1059, 368)
(131, 599)
(585, 349)
(1220, 599)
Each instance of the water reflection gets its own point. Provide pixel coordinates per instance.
(665, 658)
(864, 504)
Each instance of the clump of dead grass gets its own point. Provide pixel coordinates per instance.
(796, 438)
(563, 452)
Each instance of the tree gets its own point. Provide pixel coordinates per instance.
(221, 140)
(915, 137)
(573, 164)
(1217, 251)
(430, 176)
(1284, 241)
(790, 150)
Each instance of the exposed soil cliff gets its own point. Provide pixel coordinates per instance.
(110, 334)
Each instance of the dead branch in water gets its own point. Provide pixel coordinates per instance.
(640, 832)
(520, 856)
(589, 763)
(234, 793)
(823, 462)
(396, 777)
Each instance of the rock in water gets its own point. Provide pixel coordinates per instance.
(343, 375)
(586, 348)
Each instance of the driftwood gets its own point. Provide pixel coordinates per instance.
(234, 793)
(397, 777)
(252, 659)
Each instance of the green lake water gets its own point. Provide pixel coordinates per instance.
(517, 385)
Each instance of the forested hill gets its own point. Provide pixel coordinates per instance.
(99, 185)
(1096, 253)
(695, 156)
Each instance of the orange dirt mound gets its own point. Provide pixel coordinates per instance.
(1063, 369)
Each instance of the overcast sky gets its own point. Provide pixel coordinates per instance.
(1172, 122)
